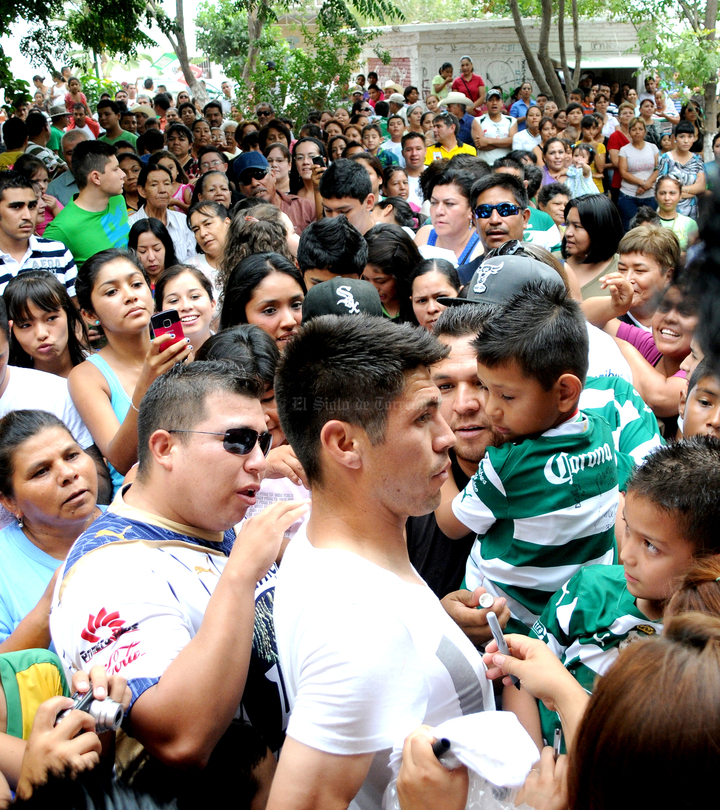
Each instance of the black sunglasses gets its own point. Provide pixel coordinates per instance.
(239, 441)
(485, 210)
(252, 174)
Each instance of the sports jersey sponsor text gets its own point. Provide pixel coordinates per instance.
(560, 467)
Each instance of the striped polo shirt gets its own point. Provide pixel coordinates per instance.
(42, 254)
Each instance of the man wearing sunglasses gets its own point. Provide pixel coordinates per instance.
(500, 212)
(160, 591)
(366, 649)
(256, 180)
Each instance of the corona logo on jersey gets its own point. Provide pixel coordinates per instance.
(560, 468)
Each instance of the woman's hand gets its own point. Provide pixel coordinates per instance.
(545, 787)
(621, 292)
(423, 782)
(158, 361)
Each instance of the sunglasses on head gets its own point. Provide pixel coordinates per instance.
(239, 441)
(252, 174)
(485, 210)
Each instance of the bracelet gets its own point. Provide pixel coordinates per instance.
(132, 405)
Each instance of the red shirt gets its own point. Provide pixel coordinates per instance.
(470, 89)
(616, 141)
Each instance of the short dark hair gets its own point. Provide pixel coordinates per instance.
(182, 129)
(382, 108)
(187, 104)
(445, 66)
(572, 106)
(108, 102)
(542, 330)
(409, 136)
(462, 321)
(278, 126)
(163, 101)
(588, 121)
(345, 178)
(681, 128)
(683, 480)
(177, 399)
(37, 123)
(252, 350)
(15, 133)
(353, 367)
(552, 190)
(90, 156)
(500, 180)
(147, 169)
(600, 218)
(14, 179)
(16, 427)
(332, 244)
(152, 140)
(245, 278)
(210, 104)
(450, 120)
(462, 180)
(534, 177)
(507, 162)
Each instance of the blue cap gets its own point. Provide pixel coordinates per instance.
(249, 160)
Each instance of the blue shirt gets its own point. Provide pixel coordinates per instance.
(25, 572)
(519, 110)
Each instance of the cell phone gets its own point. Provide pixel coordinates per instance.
(557, 742)
(167, 323)
(495, 629)
(319, 160)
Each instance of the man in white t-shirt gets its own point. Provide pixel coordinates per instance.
(493, 132)
(161, 591)
(367, 651)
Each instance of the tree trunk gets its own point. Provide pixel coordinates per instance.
(576, 43)
(711, 10)
(179, 46)
(544, 56)
(255, 27)
(537, 73)
(563, 53)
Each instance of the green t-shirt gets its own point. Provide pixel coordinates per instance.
(123, 136)
(586, 624)
(55, 137)
(684, 228)
(634, 426)
(85, 233)
(542, 509)
(439, 80)
(542, 230)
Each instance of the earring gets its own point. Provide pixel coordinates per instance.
(97, 323)
(21, 521)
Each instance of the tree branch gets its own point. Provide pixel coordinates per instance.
(690, 14)
(527, 51)
(543, 53)
(561, 41)
(576, 44)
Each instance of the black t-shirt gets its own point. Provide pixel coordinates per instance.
(439, 560)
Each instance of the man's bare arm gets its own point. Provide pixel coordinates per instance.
(308, 778)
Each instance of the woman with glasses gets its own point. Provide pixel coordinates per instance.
(451, 235)
(280, 160)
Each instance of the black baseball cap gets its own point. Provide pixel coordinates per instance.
(498, 278)
(341, 296)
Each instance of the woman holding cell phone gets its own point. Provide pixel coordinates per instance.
(113, 291)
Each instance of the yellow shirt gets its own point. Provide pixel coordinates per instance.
(438, 152)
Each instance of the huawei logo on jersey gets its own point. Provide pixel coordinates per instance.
(103, 625)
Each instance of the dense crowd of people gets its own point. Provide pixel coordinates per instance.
(289, 410)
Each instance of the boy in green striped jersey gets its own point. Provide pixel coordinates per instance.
(542, 504)
(672, 510)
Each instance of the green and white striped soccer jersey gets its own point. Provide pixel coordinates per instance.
(634, 426)
(587, 623)
(542, 509)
